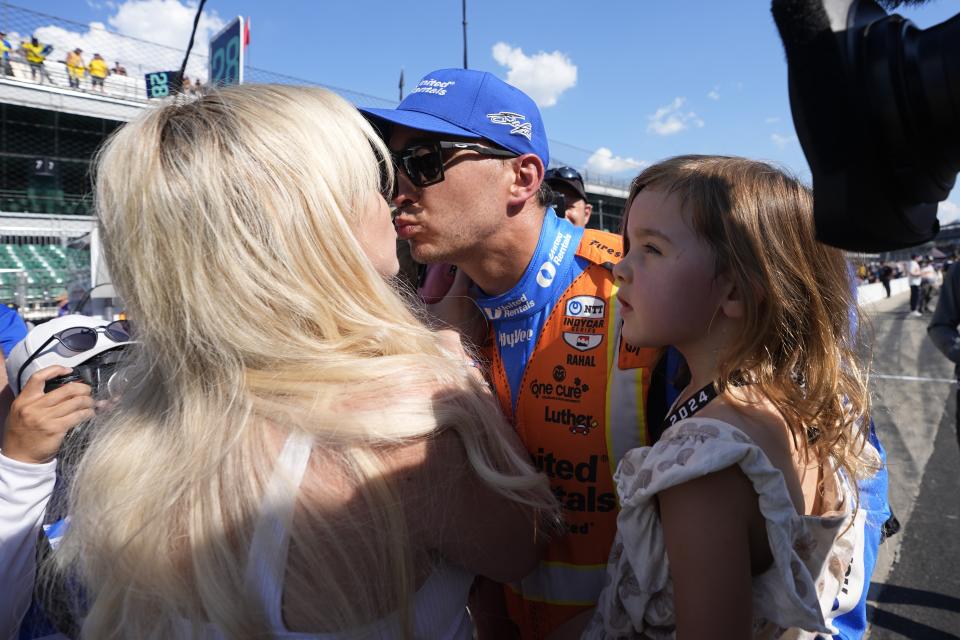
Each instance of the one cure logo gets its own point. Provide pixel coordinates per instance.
(558, 390)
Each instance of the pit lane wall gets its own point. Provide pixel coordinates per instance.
(869, 293)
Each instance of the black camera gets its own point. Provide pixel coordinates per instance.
(876, 105)
(101, 372)
(559, 203)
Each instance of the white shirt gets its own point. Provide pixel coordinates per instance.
(25, 490)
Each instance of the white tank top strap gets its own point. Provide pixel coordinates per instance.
(267, 563)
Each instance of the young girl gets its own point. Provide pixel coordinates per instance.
(743, 520)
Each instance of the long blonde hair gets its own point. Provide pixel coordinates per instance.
(799, 344)
(227, 226)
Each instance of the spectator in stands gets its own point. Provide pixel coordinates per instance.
(318, 436)
(913, 273)
(36, 55)
(118, 69)
(76, 68)
(186, 88)
(6, 48)
(568, 182)
(886, 274)
(197, 87)
(98, 71)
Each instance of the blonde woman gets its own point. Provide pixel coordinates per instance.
(296, 455)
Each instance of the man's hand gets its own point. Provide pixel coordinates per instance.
(38, 421)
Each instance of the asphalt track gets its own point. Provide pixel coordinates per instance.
(915, 592)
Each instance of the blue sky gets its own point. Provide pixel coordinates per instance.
(627, 81)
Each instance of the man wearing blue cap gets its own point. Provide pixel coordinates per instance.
(471, 153)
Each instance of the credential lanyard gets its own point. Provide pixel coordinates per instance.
(692, 405)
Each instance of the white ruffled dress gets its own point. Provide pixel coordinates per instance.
(811, 554)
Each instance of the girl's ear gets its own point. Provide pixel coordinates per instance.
(732, 304)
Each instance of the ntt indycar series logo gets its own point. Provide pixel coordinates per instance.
(586, 307)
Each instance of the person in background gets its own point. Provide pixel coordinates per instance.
(568, 182)
(885, 275)
(915, 280)
(5, 49)
(36, 54)
(186, 87)
(943, 326)
(53, 364)
(12, 328)
(76, 68)
(929, 280)
(118, 69)
(320, 462)
(98, 72)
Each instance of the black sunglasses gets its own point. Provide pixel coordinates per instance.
(80, 339)
(565, 173)
(423, 161)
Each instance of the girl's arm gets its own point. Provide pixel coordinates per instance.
(707, 526)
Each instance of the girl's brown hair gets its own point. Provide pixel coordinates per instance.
(799, 344)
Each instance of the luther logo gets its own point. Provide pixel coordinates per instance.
(515, 121)
(546, 274)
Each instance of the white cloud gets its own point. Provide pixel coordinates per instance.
(140, 19)
(782, 141)
(948, 212)
(714, 93)
(670, 119)
(772, 120)
(543, 76)
(603, 161)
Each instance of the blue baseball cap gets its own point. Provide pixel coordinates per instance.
(471, 104)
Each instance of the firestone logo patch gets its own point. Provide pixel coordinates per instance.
(514, 120)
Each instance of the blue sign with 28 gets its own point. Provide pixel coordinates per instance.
(226, 55)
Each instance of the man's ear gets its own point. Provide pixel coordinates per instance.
(587, 209)
(528, 172)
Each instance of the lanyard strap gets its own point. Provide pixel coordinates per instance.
(697, 401)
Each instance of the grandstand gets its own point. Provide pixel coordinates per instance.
(50, 131)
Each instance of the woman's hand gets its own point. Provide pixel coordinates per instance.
(458, 310)
(38, 421)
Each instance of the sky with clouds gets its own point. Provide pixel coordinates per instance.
(620, 83)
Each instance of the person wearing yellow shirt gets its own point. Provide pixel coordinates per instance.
(76, 69)
(36, 53)
(98, 71)
(5, 49)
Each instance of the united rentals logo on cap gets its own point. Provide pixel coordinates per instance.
(471, 104)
